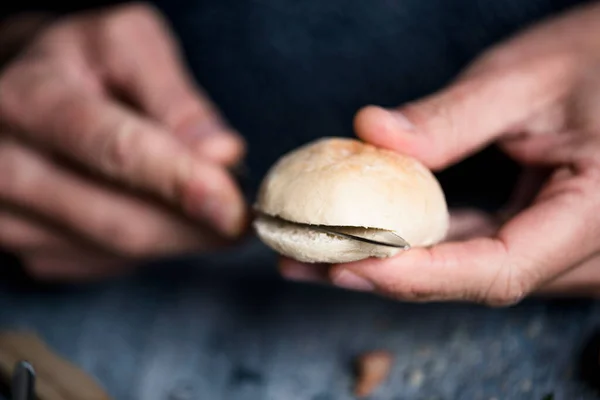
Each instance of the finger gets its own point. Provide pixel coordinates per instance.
(111, 219)
(143, 60)
(75, 267)
(112, 141)
(22, 233)
(581, 281)
(474, 111)
(471, 223)
(530, 249)
(290, 269)
(464, 224)
(528, 185)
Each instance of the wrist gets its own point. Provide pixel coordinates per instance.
(17, 30)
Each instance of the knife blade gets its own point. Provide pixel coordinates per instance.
(371, 236)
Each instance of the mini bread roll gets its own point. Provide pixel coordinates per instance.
(342, 182)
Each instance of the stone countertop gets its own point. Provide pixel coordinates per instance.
(231, 329)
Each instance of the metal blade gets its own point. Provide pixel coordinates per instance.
(23, 382)
(376, 237)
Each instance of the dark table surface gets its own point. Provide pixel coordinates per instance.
(227, 327)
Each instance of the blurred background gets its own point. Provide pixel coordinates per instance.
(225, 326)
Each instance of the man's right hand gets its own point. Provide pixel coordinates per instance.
(108, 152)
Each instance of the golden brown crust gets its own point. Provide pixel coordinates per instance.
(345, 182)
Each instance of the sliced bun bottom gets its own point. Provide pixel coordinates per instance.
(307, 245)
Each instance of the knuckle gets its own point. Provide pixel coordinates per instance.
(119, 143)
(142, 9)
(44, 269)
(11, 89)
(419, 292)
(39, 87)
(128, 239)
(17, 176)
(7, 237)
(435, 116)
(134, 16)
(127, 34)
(413, 291)
(179, 107)
(16, 233)
(38, 269)
(508, 288)
(135, 245)
(520, 148)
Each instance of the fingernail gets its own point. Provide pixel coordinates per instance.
(401, 121)
(349, 280)
(224, 216)
(208, 200)
(301, 272)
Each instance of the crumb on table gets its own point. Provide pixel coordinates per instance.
(372, 369)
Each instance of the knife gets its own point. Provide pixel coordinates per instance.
(23, 382)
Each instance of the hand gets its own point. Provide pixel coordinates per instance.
(108, 152)
(536, 96)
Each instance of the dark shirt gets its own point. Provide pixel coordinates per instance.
(285, 71)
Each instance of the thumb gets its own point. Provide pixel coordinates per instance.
(474, 111)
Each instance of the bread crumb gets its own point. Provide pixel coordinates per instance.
(373, 368)
(416, 378)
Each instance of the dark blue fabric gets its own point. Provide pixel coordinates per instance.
(286, 71)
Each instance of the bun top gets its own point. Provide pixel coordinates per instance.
(345, 182)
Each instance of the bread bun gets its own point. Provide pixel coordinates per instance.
(340, 182)
(309, 245)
